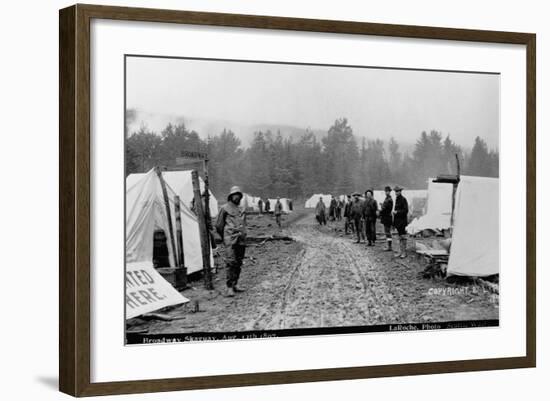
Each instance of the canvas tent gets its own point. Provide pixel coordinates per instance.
(410, 194)
(475, 241)
(284, 202)
(312, 202)
(438, 209)
(146, 213)
(250, 202)
(180, 182)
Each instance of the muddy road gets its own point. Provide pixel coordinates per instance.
(321, 279)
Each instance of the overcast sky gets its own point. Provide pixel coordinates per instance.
(377, 102)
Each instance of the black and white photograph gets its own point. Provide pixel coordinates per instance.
(274, 199)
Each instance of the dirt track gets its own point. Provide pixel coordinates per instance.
(323, 279)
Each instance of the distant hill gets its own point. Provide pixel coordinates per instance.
(245, 132)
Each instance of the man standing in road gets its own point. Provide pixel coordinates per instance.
(332, 209)
(356, 214)
(347, 215)
(231, 226)
(267, 205)
(370, 210)
(320, 212)
(400, 220)
(261, 205)
(386, 217)
(278, 211)
(339, 206)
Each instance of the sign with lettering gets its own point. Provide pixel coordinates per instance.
(147, 290)
(187, 157)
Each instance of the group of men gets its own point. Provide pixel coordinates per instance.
(360, 215)
(265, 207)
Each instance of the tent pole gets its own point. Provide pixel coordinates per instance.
(455, 186)
(179, 243)
(207, 215)
(168, 214)
(203, 230)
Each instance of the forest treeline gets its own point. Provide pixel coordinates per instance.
(338, 163)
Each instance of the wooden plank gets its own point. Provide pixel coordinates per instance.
(203, 230)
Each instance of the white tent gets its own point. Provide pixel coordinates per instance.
(438, 209)
(380, 196)
(284, 202)
(476, 231)
(409, 194)
(146, 212)
(312, 202)
(180, 182)
(250, 201)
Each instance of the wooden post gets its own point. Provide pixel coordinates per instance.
(455, 186)
(207, 199)
(168, 214)
(181, 271)
(179, 232)
(203, 230)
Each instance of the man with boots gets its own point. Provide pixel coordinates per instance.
(386, 217)
(370, 211)
(347, 215)
(400, 221)
(332, 209)
(231, 226)
(356, 214)
(320, 212)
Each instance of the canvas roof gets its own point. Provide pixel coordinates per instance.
(146, 212)
(284, 202)
(475, 245)
(250, 201)
(312, 202)
(438, 209)
(181, 183)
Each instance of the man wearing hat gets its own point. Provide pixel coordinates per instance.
(370, 210)
(386, 217)
(231, 226)
(347, 215)
(320, 214)
(400, 216)
(356, 214)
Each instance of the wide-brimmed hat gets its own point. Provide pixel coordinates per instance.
(397, 188)
(234, 190)
(387, 188)
(370, 190)
(356, 194)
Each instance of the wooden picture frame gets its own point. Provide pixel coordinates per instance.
(74, 199)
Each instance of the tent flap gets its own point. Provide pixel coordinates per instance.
(146, 212)
(476, 232)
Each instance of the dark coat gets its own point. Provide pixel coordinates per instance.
(278, 208)
(231, 224)
(400, 218)
(320, 208)
(357, 209)
(371, 207)
(386, 211)
(347, 209)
